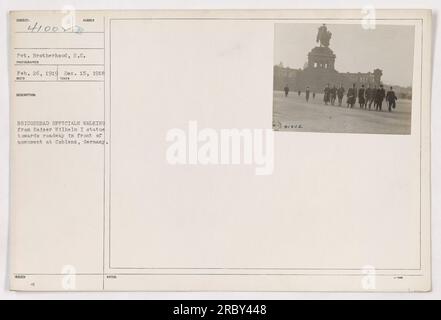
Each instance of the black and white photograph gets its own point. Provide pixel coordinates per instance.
(343, 78)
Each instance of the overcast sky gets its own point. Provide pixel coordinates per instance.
(389, 48)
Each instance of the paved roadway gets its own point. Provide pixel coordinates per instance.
(315, 116)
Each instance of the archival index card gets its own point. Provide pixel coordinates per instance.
(220, 150)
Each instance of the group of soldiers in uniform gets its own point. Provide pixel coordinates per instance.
(366, 96)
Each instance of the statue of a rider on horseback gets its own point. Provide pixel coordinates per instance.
(324, 36)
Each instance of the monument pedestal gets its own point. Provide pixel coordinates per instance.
(321, 58)
(320, 69)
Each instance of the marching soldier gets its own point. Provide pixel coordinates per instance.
(286, 89)
(333, 94)
(370, 93)
(391, 99)
(327, 94)
(379, 97)
(340, 94)
(352, 92)
(361, 98)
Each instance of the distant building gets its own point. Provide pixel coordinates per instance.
(320, 70)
